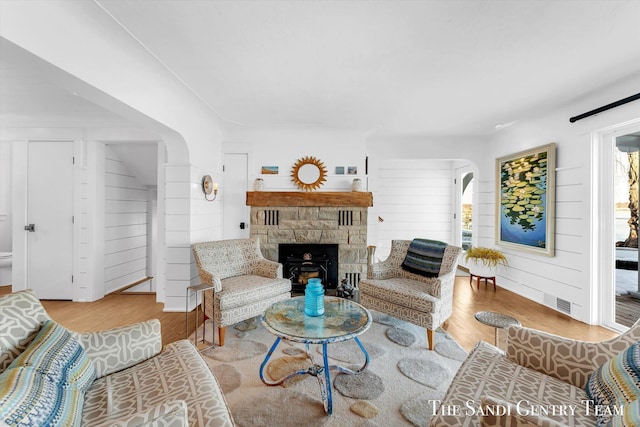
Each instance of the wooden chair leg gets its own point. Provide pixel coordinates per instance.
(430, 338)
(221, 333)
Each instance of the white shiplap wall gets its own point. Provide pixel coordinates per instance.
(415, 199)
(189, 219)
(83, 269)
(126, 225)
(177, 225)
(565, 275)
(572, 274)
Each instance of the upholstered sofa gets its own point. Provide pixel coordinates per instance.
(415, 298)
(136, 382)
(540, 381)
(244, 283)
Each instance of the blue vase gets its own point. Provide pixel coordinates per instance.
(314, 298)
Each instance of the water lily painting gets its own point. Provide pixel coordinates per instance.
(525, 200)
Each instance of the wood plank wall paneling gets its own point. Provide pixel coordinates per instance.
(415, 199)
(196, 220)
(84, 272)
(566, 275)
(126, 225)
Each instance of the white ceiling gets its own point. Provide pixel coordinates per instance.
(27, 97)
(417, 67)
(435, 67)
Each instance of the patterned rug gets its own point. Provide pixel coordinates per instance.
(395, 389)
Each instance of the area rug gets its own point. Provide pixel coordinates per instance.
(397, 389)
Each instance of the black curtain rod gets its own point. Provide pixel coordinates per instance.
(605, 108)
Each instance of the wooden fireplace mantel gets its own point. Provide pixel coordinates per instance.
(310, 198)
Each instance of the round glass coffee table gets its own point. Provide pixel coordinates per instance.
(498, 321)
(342, 320)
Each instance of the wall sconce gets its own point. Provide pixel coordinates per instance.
(208, 187)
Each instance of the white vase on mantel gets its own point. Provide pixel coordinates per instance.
(356, 185)
(258, 184)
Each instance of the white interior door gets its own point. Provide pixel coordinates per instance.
(236, 211)
(49, 225)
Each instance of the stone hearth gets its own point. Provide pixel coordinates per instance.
(295, 221)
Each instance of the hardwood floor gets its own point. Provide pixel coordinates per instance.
(121, 309)
(117, 310)
(467, 301)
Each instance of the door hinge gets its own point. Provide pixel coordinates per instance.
(222, 168)
(455, 180)
(73, 219)
(72, 278)
(455, 216)
(73, 160)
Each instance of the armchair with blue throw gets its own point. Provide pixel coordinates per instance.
(415, 283)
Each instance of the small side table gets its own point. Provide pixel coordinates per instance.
(498, 321)
(196, 290)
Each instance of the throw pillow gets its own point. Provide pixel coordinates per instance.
(424, 257)
(630, 416)
(616, 383)
(56, 354)
(45, 385)
(29, 399)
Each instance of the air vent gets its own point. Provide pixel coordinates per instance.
(563, 305)
(272, 217)
(345, 218)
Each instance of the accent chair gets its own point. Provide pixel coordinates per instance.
(244, 283)
(415, 298)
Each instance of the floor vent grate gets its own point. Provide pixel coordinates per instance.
(563, 305)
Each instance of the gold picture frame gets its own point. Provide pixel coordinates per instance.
(308, 173)
(525, 200)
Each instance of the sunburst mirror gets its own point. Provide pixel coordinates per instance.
(309, 173)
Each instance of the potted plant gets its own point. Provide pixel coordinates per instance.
(484, 262)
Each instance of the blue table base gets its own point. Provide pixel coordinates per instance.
(322, 372)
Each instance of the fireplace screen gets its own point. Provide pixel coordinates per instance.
(302, 262)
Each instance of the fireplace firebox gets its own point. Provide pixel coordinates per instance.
(302, 261)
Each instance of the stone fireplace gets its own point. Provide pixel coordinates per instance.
(314, 218)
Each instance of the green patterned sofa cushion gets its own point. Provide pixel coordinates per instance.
(46, 384)
(616, 384)
(120, 348)
(179, 373)
(21, 317)
(488, 375)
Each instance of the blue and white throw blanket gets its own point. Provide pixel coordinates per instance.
(424, 257)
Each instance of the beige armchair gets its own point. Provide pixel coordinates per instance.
(423, 301)
(244, 283)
